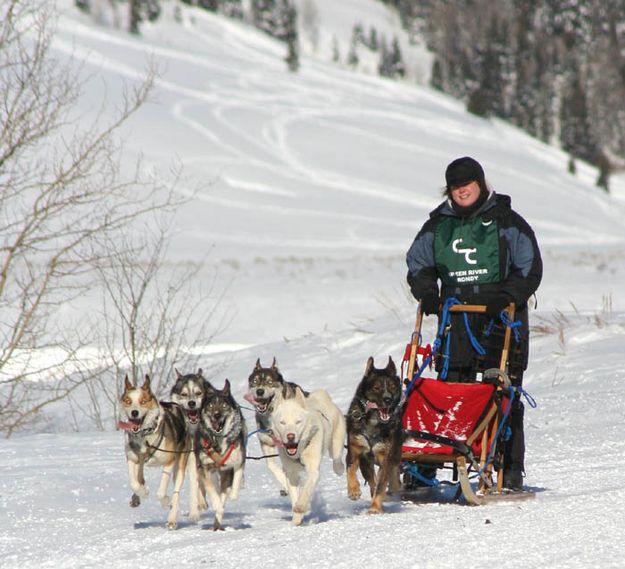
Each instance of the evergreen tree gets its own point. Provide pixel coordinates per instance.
(336, 54)
(287, 31)
(140, 11)
(210, 5)
(373, 39)
(576, 133)
(604, 173)
(263, 15)
(385, 65)
(231, 8)
(352, 54)
(398, 68)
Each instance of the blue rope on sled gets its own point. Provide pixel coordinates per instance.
(413, 470)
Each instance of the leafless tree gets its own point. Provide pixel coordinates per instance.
(156, 317)
(63, 200)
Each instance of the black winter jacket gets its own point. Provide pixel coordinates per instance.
(519, 271)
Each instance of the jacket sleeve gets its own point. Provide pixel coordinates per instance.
(525, 266)
(422, 277)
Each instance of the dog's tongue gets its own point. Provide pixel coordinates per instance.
(131, 424)
(382, 411)
(249, 398)
(260, 406)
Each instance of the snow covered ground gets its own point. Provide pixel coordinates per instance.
(318, 183)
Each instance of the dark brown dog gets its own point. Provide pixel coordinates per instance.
(374, 433)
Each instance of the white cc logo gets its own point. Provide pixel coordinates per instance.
(465, 252)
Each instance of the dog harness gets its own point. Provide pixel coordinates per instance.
(217, 458)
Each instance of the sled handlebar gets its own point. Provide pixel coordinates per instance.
(477, 308)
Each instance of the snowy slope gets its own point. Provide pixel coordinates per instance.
(317, 184)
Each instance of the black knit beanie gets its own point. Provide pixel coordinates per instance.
(462, 171)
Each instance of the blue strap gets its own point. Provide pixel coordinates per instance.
(436, 345)
(515, 325)
(413, 470)
(476, 345)
(530, 400)
(257, 431)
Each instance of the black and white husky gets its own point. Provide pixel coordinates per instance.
(155, 436)
(266, 390)
(189, 392)
(220, 441)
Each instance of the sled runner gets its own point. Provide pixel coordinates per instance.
(459, 425)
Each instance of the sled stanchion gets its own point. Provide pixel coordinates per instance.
(414, 344)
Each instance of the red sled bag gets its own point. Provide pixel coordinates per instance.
(439, 412)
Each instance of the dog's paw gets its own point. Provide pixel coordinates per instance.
(283, 492)
(354, 493)
(300, 508)
(374, 510)
(171, 525)
(194, 517)
(135, 501)
(297, 519)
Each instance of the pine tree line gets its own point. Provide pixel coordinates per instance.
(555, 68)
(390, 59)
(278, 18)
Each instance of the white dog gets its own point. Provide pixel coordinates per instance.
(304, 428)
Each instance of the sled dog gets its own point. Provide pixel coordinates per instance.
(220, 441)
(189, 392)
(304, 428)
(155, 436)
(266, 390)
(374, 433)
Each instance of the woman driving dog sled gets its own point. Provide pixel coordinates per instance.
(482, 252)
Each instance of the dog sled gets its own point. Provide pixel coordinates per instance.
(459, 425)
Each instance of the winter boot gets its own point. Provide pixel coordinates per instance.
(513, 478)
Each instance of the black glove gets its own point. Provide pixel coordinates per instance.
(430, 303)
(496, 304)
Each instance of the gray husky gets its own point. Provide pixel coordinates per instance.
(189, 392)
(266, 390)
(220, 441)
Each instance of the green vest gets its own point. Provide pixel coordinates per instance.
(466, 251)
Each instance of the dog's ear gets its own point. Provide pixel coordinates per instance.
(257, 366)
(226, 389)
(390, 367)
(178, 374)
(274, 363)
(146, 383)
(299, 396)
(199, 372)
(369, 365)
(127, 383)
